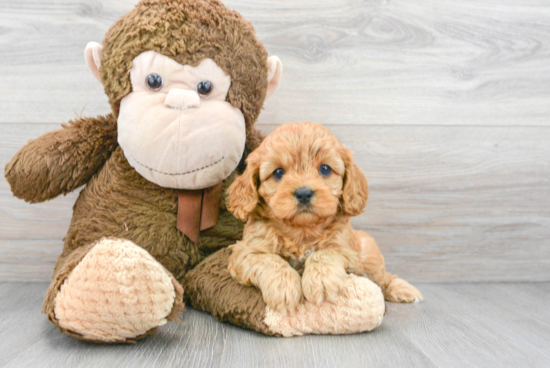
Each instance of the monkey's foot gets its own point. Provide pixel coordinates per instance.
(360, 308)
(400, 291)
(117, 293)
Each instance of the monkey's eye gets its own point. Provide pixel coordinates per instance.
(204, 88)
(278, 174)
(154, 82)
(325, 170)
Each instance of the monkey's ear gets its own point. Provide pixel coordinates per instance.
(274, 74)
(92, 54)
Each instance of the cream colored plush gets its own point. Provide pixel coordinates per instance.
(274, 74)
(175, 137)
(117, 291)
(347, 315)
(92, 55)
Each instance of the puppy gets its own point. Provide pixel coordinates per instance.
(297, 195)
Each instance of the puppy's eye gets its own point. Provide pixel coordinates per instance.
(154, 82)
(204, 88)
(278, 174)
(325, 170)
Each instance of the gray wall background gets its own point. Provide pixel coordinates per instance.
(445, 103)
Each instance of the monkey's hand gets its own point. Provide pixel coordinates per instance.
(60, 161)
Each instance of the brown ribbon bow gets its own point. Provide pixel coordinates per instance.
(198, 210)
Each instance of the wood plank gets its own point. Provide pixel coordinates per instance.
(446, 203)
(525, 300)
(455, 327)
(30, 259)
(352, 62)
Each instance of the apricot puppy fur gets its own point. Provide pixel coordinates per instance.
(297, 194)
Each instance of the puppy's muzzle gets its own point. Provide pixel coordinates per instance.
(304, 195)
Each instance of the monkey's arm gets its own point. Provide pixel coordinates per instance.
(60, 161)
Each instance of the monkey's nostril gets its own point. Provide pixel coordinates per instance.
(304, 195)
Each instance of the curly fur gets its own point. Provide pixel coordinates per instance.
(317, 238)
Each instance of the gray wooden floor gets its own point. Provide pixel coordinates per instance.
(459, 325)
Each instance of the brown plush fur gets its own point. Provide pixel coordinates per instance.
(188, 31)
(117, 201)
(61, 161)
(316, 236)
(209, 287)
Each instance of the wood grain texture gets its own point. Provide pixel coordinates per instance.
(354, 62)
(459, 325)
(446, 203)
(445, 103)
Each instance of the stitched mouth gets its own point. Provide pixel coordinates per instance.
(183, 173)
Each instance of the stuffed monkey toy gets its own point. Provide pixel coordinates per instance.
(186, 80)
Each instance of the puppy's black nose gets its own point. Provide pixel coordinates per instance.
(303, 195)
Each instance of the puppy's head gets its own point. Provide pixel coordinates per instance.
(300, 174)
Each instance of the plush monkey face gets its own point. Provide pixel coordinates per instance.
(187, 80)
(176, 127)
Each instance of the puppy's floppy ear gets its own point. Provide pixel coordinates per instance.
(243, 193)
(356, 190)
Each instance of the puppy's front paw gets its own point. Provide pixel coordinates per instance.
(283, 292)
(321, 282)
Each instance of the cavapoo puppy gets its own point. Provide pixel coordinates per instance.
(297, 194)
